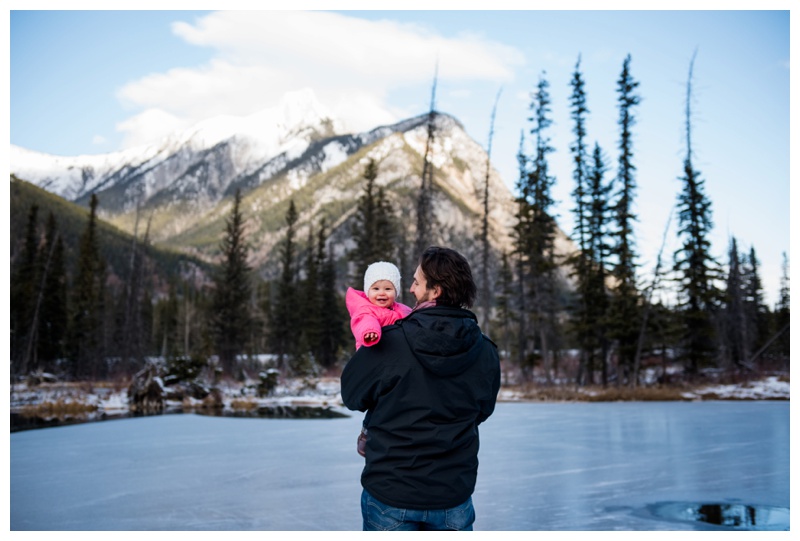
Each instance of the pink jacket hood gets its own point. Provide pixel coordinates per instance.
(365, 317)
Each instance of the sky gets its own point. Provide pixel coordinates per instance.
(90, 82)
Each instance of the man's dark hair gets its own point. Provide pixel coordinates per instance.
(450, 271)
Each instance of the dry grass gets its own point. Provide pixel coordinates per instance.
(57, 409)
(599, 394)
(638, 394)
(243, 405)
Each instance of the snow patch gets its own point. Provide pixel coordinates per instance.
(767, 389)
(334, 154)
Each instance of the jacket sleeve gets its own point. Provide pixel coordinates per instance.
(361, 381)
(362, 319)
(487, 405)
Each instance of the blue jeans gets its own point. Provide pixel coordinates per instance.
(379, 516)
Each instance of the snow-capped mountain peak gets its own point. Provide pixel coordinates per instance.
(296, 113)
(293, 123)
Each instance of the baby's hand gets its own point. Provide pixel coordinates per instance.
(370, 337)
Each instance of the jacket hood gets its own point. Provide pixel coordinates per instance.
(444, 340)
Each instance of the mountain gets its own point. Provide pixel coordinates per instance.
(115, 245)
(295, 151)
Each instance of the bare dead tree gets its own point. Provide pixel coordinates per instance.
(486, 290)
(132, 321)
(30, 350)
(647, 297)
(425, 218)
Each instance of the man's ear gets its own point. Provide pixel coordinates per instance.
(436, 292)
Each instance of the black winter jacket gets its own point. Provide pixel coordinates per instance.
(430, 381)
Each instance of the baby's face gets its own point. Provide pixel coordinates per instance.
(382, 293)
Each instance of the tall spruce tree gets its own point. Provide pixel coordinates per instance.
(86, 335)
(284, 318)
(522, 247)
(580, 157)
(756, 310)
(233, 284)
(539, 230)
(261, 316)
(52, 316)
(23, 292)
(697, 269)
(596, 300)
(167, 326)
(781, 315)
(46, 257)
(735, 342)
(581, 260)
(625, 317)
(375, 229)
(332, 333)
(312, 316)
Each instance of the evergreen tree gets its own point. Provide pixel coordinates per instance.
(147, 318)
(23, 291)
(504, 304)
(333, 329)
(284, 317)
(755, 309)
(594, 320)
(625, 317)
(581, 260)
(522, 247)
(736, 344)
(694, 264)
(375, 229)
(52, 316)
(167, 332)
(781, 316)
(312, 315)
(233, 283)
(86, 334)
(537, 229)
(579, 157)
(261, 316)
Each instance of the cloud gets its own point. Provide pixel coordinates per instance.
(149, 126)
(351, 64)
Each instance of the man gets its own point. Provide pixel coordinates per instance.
(429, 382)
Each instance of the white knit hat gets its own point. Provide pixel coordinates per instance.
(382, 270)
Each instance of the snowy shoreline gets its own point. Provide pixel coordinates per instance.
(51, 402)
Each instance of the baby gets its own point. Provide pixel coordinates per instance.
(373, 308)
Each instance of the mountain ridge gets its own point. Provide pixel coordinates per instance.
(186, 190)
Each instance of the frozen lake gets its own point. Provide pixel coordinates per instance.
(582, 466)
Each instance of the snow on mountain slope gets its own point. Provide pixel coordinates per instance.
(296, 151)
(287, 127)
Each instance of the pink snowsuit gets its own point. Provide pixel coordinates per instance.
(365, 317)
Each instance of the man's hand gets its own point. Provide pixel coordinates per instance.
(361, 443)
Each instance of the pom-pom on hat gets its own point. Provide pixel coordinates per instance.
(382, 270)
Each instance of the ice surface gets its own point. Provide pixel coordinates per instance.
(575, 466)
